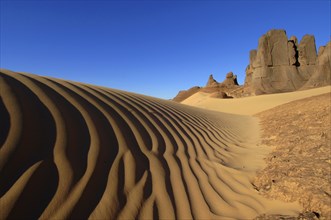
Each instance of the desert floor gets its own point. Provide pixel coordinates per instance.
(72, 150)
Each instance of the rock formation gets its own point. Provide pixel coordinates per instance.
(307, 51)
(282, 65)
(322, 73)
(230, 80)
(278, 65)
(211, 81)
(216, 89)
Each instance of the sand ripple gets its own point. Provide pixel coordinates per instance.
(71, 150)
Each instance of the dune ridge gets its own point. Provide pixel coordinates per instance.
(72, 150)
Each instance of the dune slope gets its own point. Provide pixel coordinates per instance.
(71, 150)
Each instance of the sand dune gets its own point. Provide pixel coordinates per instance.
(250, 105)
(71, 150)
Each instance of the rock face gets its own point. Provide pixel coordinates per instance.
(271, 50)
(307, 51)
(278, 65)
(322, 73)
(282, 65)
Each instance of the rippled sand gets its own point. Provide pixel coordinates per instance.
(72, 150)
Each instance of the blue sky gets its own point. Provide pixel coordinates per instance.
(150, 47)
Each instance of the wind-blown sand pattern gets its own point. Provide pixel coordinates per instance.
(71, 150)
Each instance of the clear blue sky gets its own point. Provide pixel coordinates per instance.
(150, 47)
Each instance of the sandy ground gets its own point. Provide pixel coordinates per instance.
(250, 105)
(299, 167)
(71, 150)
(297, 128)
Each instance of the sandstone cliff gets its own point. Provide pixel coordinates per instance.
(283, 65)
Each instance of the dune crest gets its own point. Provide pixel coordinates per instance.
(71, 150)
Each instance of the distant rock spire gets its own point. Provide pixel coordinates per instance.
(211, 80)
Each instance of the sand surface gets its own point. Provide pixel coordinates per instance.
(250, 105)
(299, 166)
(72, 150)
